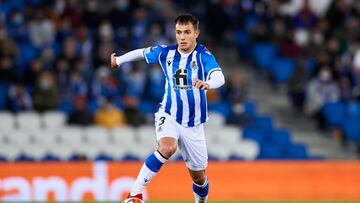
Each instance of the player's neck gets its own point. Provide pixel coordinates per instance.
(187, 51)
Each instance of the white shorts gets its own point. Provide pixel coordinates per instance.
(191, 140)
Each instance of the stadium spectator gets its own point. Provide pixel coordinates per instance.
(7, 70)
(41, 29)
(46, 95)
(134, 116)
(80, 115)
(108, 115)
(237, 93)
(19, 99)
(321, 90)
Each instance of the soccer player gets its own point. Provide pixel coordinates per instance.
(190, 70)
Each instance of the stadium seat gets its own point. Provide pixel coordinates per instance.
(62, 151)
(334, 113)
(146, 142)
(282, 69)
(28, 121)
(90, 151)
(219, 151)
(146, 136)
(220, 107)
(46, 137)
(263, 122)
(280, 137)
(36, 152)
(121, 140)
(73, 137)
(103, 157)
(246, 150)
(7, 149)
(227, 136)
(3, 158)
(271, 151)
(296, 151)
(351, 128)
(54, 120)
(96, 136)
(263, 54)
(250, 108)
(255, 134)
(24, 158)
(353, 110)
(216, 120)
(7, 121)
(50, 157)
(20, 139)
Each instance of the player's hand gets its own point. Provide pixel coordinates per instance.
(113, 61)
(201, 84)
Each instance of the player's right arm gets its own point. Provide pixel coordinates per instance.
(135, 55)
(150, 54)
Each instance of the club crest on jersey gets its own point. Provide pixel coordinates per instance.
(168, 62)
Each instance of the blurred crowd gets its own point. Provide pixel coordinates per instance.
(320, 36)
(54, 54)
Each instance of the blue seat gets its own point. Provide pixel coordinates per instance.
(263, 54)
(212, 157)
(2, 158)
(353, 110)
(263, 122)
(351, 129)
(129, 157)
(280, 137)
(255, 134)
(271, 151)
(220, 107)
(50, 157)
(296, 151)
(334, 113)
(242, 41)
(282, 69)
(103, 157)
(24, 157)
(250, 108)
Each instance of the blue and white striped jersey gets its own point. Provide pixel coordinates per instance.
(185, 103)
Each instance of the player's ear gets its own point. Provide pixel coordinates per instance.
(197, 32)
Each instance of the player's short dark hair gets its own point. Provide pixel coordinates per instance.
(186, 18)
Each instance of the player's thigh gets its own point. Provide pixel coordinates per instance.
(193, 148)
(165, 126)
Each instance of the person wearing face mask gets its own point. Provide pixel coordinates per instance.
(321, 90)
(46, 95)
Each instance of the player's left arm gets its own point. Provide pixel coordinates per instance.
(214, 75)
(216, 80)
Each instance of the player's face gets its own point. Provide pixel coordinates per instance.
(186, 36)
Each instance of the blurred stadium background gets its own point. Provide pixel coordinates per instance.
(285, 126)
